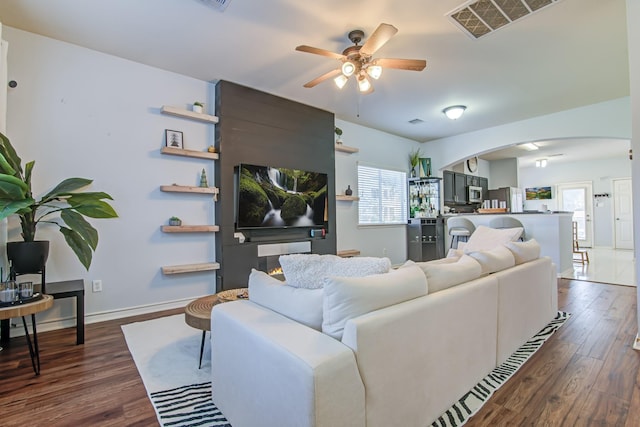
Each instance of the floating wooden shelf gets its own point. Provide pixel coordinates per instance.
(346, 253)
(347, 198)
(190, 268)
(189, 153)
(190, 228)
(189, 189)
(174, 111)
(346, 149)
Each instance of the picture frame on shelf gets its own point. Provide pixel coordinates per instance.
(174, 139)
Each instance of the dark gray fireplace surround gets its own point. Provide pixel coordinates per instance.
(262, 129)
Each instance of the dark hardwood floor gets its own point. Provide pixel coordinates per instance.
(586, 374)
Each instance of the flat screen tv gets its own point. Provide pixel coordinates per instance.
(272, 197)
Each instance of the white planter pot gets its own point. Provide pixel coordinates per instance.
(197, 109)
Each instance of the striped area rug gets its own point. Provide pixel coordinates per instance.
(473, 400)
(166, 352)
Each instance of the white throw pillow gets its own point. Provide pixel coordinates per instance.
(487, 238)
(524, 251)
(349, 297)
(496, 259)
(309, 270)
(299, 304)
(445, 275)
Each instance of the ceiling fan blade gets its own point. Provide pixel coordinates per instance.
(380, 36)
(402, 64)
(323, 77)
(317, 51)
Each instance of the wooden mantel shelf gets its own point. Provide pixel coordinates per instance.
(189, 189)
(189, 153)
(190, 228)
(190, 268)
(179, 112)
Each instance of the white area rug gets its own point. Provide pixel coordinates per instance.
(166, 352)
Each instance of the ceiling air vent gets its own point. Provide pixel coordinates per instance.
(478, 18)
(416, 121)
(219, 5)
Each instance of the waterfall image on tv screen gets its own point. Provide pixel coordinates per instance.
(280, 197)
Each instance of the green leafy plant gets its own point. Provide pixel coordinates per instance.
(174, 218)
(63, 206)
(414, 157)
(198, 103)
(338, 131)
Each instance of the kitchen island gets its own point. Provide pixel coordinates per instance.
(552, 230)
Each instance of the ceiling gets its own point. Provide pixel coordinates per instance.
(567, 55)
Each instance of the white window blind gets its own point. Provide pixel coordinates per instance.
(383, 196)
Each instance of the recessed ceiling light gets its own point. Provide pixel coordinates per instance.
(529, 146)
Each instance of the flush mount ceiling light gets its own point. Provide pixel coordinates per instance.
(454, 112)
(542, 163)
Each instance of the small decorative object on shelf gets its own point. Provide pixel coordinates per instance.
(211, 149)
(173, 138)
(425, 167)
(203, 179)
(197, 107)
(348, 191)
(338, 132)
(174, 220)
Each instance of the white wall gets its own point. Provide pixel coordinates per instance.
(600, 173)
(633, 37)
(376, 149)
(78, 112)
(503, 173)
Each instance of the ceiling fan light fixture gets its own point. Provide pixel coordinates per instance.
(374, 71)
(340, 81)
(454, 112)
(364, 84)
(348, 68)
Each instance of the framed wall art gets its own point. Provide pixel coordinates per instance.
(173, 138)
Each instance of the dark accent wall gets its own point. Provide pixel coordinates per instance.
(262, 129)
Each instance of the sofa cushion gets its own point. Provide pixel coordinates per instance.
(487, 238)
(524, 251)
(444, 275)
(497, 259)
(299, 304)
(349, 297)
(309, 270)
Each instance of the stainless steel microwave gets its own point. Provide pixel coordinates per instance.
(474, 194)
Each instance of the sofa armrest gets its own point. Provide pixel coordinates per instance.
(269, 370)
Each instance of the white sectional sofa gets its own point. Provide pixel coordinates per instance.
(403, 364)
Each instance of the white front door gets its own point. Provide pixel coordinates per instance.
(623, 213)
(576, 197)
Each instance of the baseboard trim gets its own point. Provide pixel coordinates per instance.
(103, 316)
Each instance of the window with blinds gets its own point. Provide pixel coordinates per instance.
(383, 196)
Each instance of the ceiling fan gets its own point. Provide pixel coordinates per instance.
(358, 61)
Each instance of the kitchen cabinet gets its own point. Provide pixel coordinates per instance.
(455, 187)
(484, 183)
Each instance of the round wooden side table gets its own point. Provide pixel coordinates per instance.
(21, 310)
(197, 313)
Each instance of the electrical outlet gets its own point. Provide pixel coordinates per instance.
(97, 285)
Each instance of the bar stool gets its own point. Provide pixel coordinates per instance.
(506, 222)
(459, 228)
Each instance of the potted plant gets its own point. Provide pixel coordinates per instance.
(414, 159)
(174, 220)
(338, 132)
(64, 206)
(197, 107)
